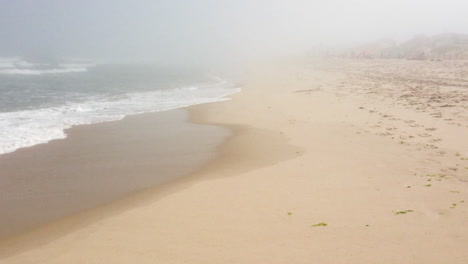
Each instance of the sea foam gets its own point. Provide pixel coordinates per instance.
(31, 127)
(18, 66)
(39, 72)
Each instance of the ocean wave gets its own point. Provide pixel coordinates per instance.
(77, 65)
(8, 62)
(39, 72)
(31, 127)
(6, 65)
(24, 64)
(19, 66)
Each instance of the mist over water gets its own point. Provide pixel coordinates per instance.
(64, 63)
(210, 33)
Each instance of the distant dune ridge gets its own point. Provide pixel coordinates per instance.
(420, 47)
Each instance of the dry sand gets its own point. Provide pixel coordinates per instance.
(336, 143)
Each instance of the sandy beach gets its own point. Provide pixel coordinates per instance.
(99, 163)
(335, 161)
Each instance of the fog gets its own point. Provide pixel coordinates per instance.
(201, 32)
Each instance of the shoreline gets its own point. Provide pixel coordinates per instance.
(314, 171)
(45, 233)
(100, 163)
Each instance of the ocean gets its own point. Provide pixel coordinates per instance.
(103, 161)
(38, 101)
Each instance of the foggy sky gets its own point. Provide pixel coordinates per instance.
(204, 31)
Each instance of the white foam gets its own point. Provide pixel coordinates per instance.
(18, 66)
(31, 127)
(5, 65)
(24, 64)
(7, 62)
(39, 72)
(76, 65)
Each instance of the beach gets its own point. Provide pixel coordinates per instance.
(100, 163)
(326, 161)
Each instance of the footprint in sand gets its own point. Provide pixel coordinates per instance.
(424, 135)
(450, 169)
(385, 134)
(431, 146)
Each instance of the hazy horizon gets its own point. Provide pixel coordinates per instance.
(211, 32)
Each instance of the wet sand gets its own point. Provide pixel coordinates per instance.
(100, 163)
